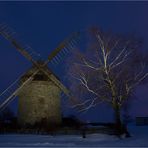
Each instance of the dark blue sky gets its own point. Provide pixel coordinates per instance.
(43, 25)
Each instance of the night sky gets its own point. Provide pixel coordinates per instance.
(43, 25)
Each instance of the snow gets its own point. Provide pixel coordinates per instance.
(139, 139)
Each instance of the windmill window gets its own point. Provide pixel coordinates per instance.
(40, 77)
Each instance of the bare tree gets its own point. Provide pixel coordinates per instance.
(108, 71)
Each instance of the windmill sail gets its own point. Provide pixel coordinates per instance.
(24, 49)
(64, 46)
(11, 92)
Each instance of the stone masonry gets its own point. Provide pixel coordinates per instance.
(37, 101)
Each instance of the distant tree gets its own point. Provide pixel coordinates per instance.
(108, 71)
(7, 115)
(71, 121)
(7, 120)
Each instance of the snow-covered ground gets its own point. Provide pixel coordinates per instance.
(139, 139)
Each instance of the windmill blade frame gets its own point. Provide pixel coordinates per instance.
(8, 100)
(62, 46)
(16, 44)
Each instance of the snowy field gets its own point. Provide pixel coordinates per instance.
(139, 139)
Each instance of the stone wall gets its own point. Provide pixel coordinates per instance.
(39, 100)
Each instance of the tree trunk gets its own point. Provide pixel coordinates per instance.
(118, 123)
(119, 127)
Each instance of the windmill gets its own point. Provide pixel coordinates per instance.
(39, 88)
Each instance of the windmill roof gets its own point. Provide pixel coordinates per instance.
(33, 69)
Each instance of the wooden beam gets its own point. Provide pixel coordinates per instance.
(16, 92)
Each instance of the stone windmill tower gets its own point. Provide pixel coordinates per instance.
(39, 100)
(39, 88)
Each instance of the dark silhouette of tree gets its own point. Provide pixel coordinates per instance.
(71, 121)
(8, 121)
(6, 115)
(108, 71)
